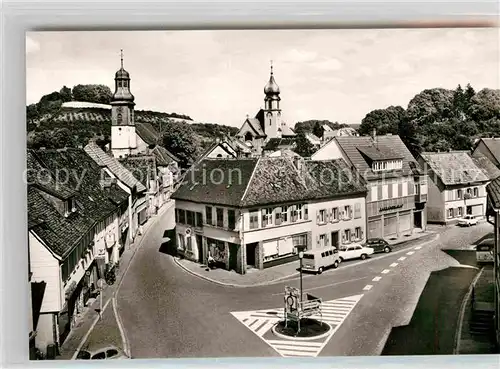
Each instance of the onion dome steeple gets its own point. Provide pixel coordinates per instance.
(271, 87)
(122, 84)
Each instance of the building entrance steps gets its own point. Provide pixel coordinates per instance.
(259, 277)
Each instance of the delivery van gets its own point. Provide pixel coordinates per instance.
(320, 259)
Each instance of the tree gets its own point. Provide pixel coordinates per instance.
(66, 94)
(303, 146)
(100, 94)
(431, 105)
(459, 103)
(179, 138)
(318, 130)
(485, 105)
(383, 120)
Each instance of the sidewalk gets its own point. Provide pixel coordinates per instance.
(471, 340)
(256, 277)
(90, 316)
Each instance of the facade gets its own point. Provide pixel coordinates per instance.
(267, 123)
(262, 211)
(397, 190)
(226, 148)
(73, 236)
(493, 191)
(457, 186)
(489, 147)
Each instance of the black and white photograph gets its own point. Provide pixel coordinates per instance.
(263, 193)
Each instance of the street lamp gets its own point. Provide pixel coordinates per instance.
(301, 256)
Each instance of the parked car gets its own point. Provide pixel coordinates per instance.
(319, 259)
(354, 251)
(484, 251)
(378, 245)
(467, 221)
(107, 353)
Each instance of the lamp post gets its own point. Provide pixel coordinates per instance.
(301, 256)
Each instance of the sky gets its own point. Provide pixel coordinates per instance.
(219, 76)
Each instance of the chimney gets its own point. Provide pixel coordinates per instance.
(374, 137)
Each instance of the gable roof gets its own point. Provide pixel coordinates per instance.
(142, 167)
(105, 160)
(163, 156)
(376, 153)
(486, 165)
(266, 181)
(276, 143)
(256, 126)
(493, 190)
(148, 133)
(493, 145)
(454, 167)
(350, 146)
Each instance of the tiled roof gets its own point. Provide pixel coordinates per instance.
(350, 145)
(493, 189)
(268, 180)
(142, 167)
(379, 153)
(486, 165)
(493, 144)
(276, 143)
(201, 182)
(236, 143)
(163, 156)
(96, 200)
(105, 160)
(255, 124)
(287, 131)
(455, 167)
(147, 132)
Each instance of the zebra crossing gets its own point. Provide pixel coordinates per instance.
(260, 322)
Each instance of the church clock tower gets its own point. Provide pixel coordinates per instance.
(272, 111)
(123, 135)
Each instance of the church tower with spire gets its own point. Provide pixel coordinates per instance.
(123, 135)
(272, 112)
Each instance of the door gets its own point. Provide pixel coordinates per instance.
(199, 243)
(251, 253)
(233, 256)
(417, 219)
(335, 239)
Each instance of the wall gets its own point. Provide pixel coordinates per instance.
(453, 202)
(330, 151)
(341, 225)
(123, 137)
(142, 146)
(45, 268)
(218, 150)
(45, 331)
(435, 201)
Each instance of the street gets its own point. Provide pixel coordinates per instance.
(168, 313)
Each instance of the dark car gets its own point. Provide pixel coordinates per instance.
(378, 245)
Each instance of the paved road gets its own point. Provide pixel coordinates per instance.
(170, 313)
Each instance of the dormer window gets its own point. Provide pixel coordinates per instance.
(381, 165)
(69, 207)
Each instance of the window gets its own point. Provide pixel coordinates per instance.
(220, 217)
(321, 216)
(335, 215)
(357, 210)
(278, 215)
(177, 215)
(190, 218)
(254, 220)
(322, 240)
(299, 241)
(358, 233)
(374, 193)
(347, 235)
(347, 212)
(267, 217)
(199, 219)
(182, 216)
(111, 353)
(476, 192)
(459, 194)
(231, 219)
(181, 242)
(450, 213)
(208, 215)
(99, 356)
(284, 214)
(189, 244)
(460, 211)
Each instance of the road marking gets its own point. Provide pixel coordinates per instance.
(385, 271)
(368, 287)
(410, 252)
(333, 312)
(402, 258)
(393, 265)
(376, 279)
(126, 346)
(418, 247)
(326, 285)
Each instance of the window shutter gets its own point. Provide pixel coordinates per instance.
(353, 234)
(306, 212)
(327, 239)
(350, 212)
(327, 215)
(317, 217)
(317, 241)
(343, 237)
(361, 234)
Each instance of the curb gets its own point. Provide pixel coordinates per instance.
(114, 293)
(285, 337)
(277, 280)
(458, 332)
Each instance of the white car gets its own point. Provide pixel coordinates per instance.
(105, 353)
(354, 251)
(467, 221)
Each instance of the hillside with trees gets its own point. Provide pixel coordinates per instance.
(440, 119)
(52, 125)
